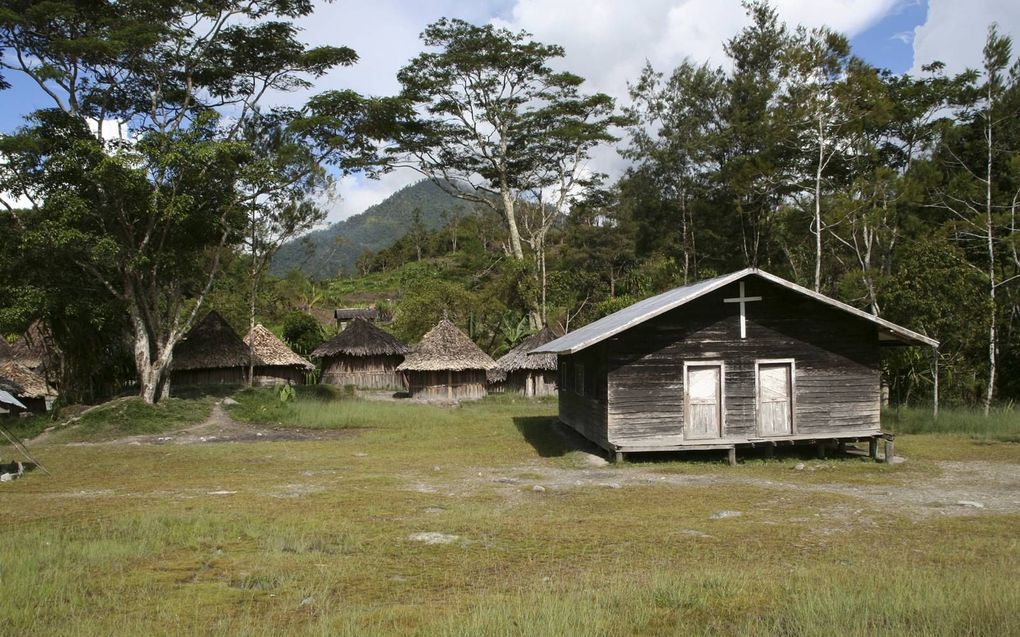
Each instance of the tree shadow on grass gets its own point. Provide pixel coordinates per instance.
(551, 438)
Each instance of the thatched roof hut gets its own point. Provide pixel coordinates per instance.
(362, 355)
(446, 364)
(531, 375)
(27, 386)
(274, 362)
(210, 354)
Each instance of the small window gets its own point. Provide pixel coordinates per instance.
(579, 379)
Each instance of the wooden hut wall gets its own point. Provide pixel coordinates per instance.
(836, 377)
(214, 376)
(371, 372)
(467, 384)
(583, 403)
(529, 382)
(269, 375)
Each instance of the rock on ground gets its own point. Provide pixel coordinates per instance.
(719, 515)
(431, 537)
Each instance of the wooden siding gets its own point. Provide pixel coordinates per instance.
(836, 377)
(215, 376)
(528, 382)
(268, 376)
(468, 384)
(586, 410)
(369, 372)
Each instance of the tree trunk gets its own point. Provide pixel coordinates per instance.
(152, 363)
(990, 236)
(251, 329)
(818, 207)
(511, 221)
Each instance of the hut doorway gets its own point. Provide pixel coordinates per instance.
(704, 397)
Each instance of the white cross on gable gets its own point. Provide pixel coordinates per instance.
(743, 299)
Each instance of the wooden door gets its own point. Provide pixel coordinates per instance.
(704, 402)
(775, 399)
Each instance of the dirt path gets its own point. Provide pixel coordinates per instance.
(959, 488)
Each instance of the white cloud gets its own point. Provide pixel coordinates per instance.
(356, 194)
(955, 32)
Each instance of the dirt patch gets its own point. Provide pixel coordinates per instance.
(960, 488)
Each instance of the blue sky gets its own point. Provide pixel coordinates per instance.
(607, 42)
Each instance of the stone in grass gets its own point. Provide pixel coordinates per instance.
(970, 503)
(538, 488)
(432, 537)
(721, 515)
(230, 402)
(799, 466)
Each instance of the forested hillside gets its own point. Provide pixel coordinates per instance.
(325, 253)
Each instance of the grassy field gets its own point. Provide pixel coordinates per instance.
(323, 536)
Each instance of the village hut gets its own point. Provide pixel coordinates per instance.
(364, 356)
(29, 388)
(273, 362)
(446, 365)
(744, 359)
(521, 373)
(344, 315)
(211, 353)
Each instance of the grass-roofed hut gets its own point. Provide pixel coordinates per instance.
(364, 356)
(447, 365)
(26, 386)
(517, 372)
(210, 354)
(274, 362)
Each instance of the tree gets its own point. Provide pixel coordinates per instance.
(277, 186)
(495, 123)
(148, 215)
(673, 125)
(979, 190)
(823, 110)
(752, 151)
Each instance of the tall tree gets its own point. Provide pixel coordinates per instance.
(147, 216)
(823, 111)
(980, 189)
(494, 122)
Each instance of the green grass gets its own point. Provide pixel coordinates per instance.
(1002, 423)
(312, 537)
(132, 417)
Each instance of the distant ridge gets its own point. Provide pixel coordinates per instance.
(323, 254)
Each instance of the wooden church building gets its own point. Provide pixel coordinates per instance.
(747, 358)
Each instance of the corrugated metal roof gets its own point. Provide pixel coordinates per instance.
(651, 307)
(7, 399)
